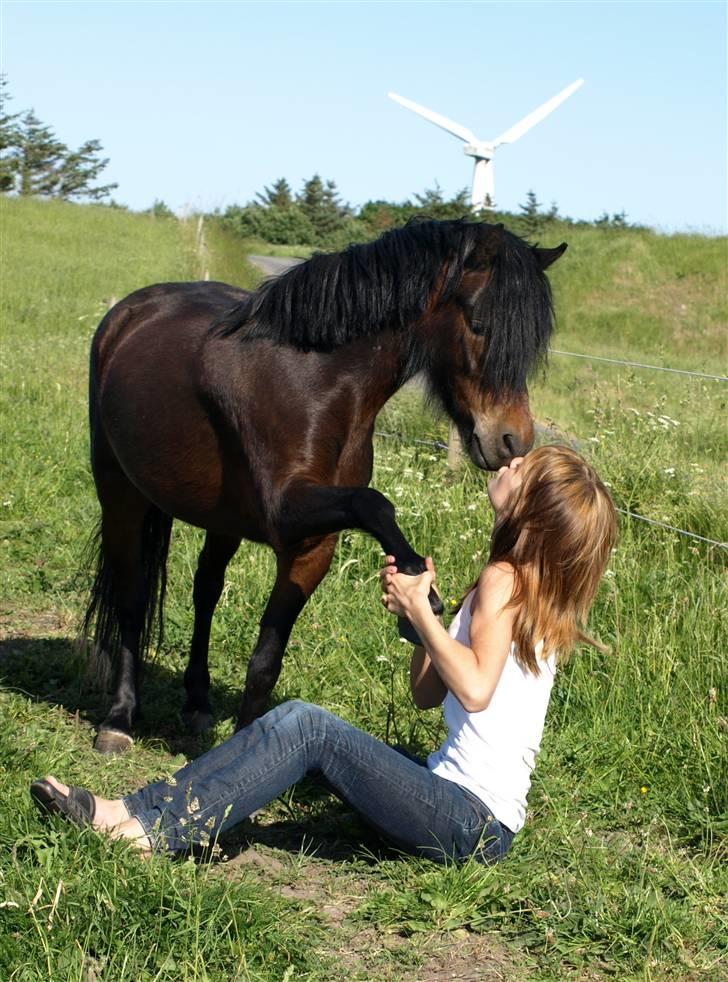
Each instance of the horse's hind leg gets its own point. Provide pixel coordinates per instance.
(209, 580)
(300, 570)
(129, 584)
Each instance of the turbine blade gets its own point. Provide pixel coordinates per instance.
(442, 121)
(537, 115)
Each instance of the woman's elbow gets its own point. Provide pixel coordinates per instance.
(476, 700)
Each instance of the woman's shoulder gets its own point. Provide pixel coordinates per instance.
(496, 586)
(498, 579)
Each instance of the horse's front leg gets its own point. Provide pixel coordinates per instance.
(209, 581)
(301, 567)
(311, 510)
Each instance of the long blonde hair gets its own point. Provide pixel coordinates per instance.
(557, 532)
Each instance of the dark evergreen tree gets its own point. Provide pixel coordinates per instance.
(33, 161)
(38, 157)
(278, 195)
(79, 168)
(320, 203)
(617, 220)
(9, 134)
(311, 197)
(432, 204)
(530, 218)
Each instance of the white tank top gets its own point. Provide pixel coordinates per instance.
(492, 753)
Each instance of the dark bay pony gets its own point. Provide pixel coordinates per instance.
(251, 415)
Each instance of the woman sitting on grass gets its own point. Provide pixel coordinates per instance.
(554, 530)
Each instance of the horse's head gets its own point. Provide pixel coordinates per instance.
(488, 334)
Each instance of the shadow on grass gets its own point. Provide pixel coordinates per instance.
(51, 670)
(335, 835)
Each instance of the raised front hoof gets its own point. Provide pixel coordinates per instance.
(196, 721)
(415, 568)
(112, 742)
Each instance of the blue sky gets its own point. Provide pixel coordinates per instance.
(201, 104)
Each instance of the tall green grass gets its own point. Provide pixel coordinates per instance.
(620, 870)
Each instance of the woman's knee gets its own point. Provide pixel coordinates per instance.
(308, 711)
(313, 724)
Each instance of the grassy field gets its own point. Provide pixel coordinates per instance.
(620, 870)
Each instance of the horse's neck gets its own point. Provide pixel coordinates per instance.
(382, 367)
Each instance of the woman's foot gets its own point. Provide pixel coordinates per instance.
(85, 808)
(132, 831)
(106, 813)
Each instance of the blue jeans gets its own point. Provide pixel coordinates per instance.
(397, 795)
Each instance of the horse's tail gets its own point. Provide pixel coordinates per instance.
(104, 607)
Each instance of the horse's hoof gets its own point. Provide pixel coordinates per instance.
(112, 742)
(196, 721)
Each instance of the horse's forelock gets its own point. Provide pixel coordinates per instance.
(514, 313)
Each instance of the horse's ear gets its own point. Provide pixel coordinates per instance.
(548, 256)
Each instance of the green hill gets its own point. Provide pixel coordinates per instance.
(641, 296)
(620, 870)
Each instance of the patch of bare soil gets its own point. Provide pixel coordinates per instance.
(20, 623)
(363, 952)
(472, 957)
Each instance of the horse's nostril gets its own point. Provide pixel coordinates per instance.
(509, 442)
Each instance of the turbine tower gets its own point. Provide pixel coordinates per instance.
(483, 193)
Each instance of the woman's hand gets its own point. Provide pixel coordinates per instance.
(403, 594)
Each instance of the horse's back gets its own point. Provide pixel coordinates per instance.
(185, 305)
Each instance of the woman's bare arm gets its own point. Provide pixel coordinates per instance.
(471, 672)
(428, 689)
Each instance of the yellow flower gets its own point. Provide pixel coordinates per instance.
(643, 789)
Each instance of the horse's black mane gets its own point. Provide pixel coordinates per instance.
(332, 299)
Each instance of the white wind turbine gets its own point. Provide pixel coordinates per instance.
(483, 194)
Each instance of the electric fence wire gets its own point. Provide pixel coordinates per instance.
(637, 364)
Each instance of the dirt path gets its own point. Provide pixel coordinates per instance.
(274, 265)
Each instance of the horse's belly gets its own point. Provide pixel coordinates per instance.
(165, 441)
